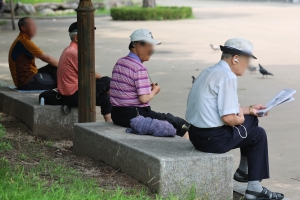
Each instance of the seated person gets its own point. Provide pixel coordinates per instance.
(130, 88)
(22, 54)
(67, 78)
(218, 124)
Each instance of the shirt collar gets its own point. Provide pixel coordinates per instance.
(224, 64)
(74, 45)
(23, 35)
(134, 56)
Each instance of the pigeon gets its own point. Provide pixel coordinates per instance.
(263, 71)
(214, 47)
(252, 68)
(193, 77)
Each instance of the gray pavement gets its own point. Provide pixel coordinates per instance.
(272, 27)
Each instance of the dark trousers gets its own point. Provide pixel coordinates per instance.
(223, 139)
(122, 116)
(102, 96)
(45, 79)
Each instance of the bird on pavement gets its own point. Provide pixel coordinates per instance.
(193, 77)
(215, 47)
(252, 68)
(264, 72)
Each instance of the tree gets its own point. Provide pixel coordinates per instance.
(149, 4)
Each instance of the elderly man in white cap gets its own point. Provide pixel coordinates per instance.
(130, 87)
(218, 124)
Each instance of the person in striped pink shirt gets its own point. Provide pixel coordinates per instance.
(130, 87)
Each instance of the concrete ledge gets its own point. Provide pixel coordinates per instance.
(47, 122)
(167, 165)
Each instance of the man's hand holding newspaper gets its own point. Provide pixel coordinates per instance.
(284, 96)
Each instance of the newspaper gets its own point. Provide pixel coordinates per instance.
(282, 97)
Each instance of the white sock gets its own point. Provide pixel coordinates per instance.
(254, 186)
(244, 164)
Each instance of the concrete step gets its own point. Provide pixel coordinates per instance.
(47, 122)
(166, 165)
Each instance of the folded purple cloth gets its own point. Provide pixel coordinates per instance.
(147, 126)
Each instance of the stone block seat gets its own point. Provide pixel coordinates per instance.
(169, 166)
(47, 122)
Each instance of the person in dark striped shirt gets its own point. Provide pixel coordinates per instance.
(130, 87)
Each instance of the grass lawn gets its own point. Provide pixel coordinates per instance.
(32, 169)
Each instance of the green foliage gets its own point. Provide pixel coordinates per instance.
(158, 13)
(3, 144)
(50, 181)
(41, 1)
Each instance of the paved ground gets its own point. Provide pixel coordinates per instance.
(273, 28)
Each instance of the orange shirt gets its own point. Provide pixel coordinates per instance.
(21, 60)
(67, 71)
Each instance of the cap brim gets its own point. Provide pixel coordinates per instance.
(154, 42)
(226, 49)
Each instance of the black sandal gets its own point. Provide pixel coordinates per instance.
(265, 195)
(243, 178)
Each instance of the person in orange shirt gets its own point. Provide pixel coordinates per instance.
(21, 58)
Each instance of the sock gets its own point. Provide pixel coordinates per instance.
(244, 164)
(254, 186)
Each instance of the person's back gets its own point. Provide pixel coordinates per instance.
(21, 58)
(129, 81)
(67, 71)
(201, 109)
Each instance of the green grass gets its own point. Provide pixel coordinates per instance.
(40, 1)
(157, 13)
(2, 23)
(4, 146)
(32, 175)
(48, 181)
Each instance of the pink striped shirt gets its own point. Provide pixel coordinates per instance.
(129, 81)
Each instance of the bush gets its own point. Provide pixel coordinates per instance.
(158, 13)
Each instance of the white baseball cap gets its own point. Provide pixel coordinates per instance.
(143, 35)
(238, 46)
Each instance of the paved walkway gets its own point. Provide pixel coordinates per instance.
(273, 28)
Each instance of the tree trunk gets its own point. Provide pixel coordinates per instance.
(12, 14)
(149, 4)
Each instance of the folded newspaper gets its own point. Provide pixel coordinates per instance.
(284, 96)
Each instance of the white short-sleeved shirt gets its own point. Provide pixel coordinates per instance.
(213, 95)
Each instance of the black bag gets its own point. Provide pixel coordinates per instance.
(51, 97)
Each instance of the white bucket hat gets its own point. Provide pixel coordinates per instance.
(238, 46)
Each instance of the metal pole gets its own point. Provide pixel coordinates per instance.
(86, 62)
(12, 12)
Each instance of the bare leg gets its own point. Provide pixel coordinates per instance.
(107, 118)
(186, 135)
